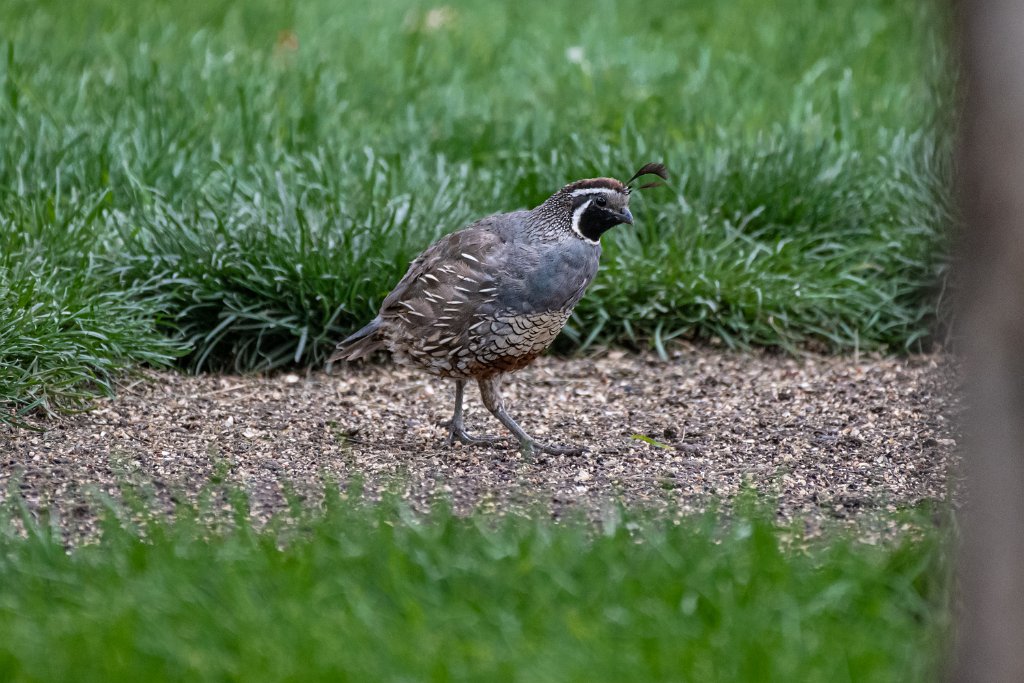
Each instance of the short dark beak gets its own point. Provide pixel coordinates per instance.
(626, 217)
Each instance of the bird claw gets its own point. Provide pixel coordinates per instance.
(529, 448)
(462, 436)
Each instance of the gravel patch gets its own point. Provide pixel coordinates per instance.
(831, 438)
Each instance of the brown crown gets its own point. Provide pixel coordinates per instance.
(593, 183)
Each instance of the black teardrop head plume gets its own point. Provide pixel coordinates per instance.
(650, 169)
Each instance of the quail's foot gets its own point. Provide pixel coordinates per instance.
(459, 433)
(529, 448)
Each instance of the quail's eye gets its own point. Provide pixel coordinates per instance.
(601, 200)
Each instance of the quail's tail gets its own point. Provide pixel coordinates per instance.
(359, 345)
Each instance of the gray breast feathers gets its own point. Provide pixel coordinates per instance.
(548, 277)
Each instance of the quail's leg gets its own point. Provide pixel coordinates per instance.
(457, 429)
(490, 391)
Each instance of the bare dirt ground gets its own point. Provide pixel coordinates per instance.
(829, 438)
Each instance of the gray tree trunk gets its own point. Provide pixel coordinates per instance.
(990, 642)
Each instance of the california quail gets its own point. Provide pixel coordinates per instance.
(488, 299)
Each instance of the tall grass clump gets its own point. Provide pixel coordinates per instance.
(267, 170)
(69, 325)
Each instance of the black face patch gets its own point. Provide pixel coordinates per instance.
(597, 220)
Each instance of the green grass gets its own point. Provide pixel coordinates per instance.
(375, 593)
(69, 325)
(252, 202)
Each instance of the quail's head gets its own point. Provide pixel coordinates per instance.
(596, 205)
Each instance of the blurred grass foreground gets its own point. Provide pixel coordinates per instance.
(239, 184)
(376, 593)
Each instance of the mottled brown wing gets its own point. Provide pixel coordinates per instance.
(447, 287)
(441, 291)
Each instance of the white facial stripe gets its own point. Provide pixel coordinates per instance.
(576, 215)
(591, 190)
